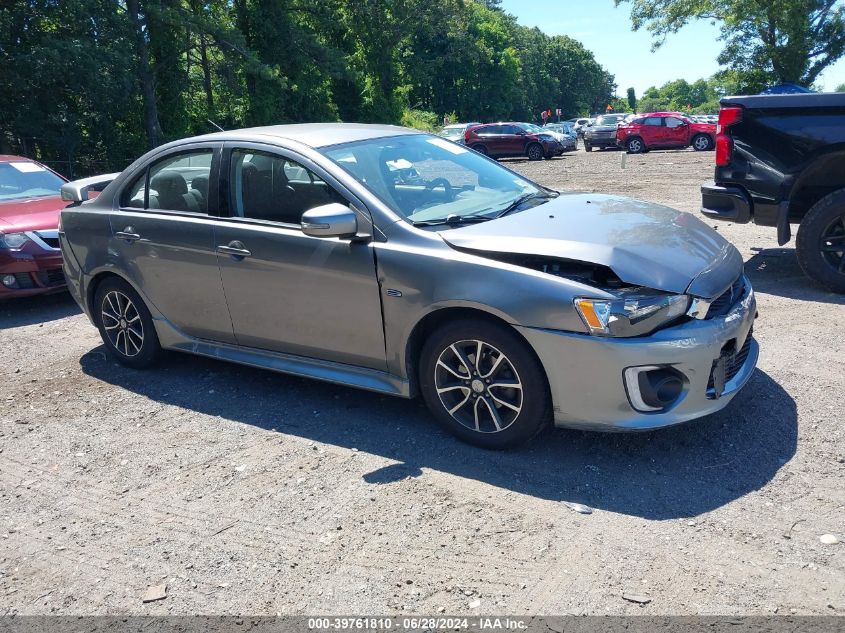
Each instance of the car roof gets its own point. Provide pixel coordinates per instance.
(312, 134)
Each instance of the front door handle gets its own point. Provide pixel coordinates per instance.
(236, 250)
(128, 234)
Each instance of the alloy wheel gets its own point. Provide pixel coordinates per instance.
(832, 244)
(478, 386)
(634, 145)
(701, 143)
(122, 323)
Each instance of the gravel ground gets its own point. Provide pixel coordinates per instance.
(245, 491)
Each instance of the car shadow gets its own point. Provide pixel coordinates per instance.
(37, 309)
(677, 472)
(776, 271)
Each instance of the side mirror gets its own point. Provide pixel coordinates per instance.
(330, 220)
(78, 190)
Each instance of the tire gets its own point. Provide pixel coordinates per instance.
(820, 244)
(478, 406)
(701, 143)
(481, 149)
(534, 151)
(588, 147)
(635, 145)
(125, 324)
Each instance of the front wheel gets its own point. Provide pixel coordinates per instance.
(484, 383)
(587, 147)
(820, 243)
(701, 143)
(534, 152)
(125, 324)
(635, 145)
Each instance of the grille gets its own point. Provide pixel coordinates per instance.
(724, 302)
(735, 362)
(55, 277)
(52, 277)
(50, 238)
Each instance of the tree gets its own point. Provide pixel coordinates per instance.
(632, 99)
(766, 41)
(839, 88)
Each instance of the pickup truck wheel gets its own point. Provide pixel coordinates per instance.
(821, 241)
(701, 142)
(484, 383)
(635, 145)
(534, 152)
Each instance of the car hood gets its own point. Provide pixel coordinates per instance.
(644, 244)
(32, 214)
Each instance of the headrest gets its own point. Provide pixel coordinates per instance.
(169, 183)
(200, 183)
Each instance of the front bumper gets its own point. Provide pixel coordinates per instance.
(35, 269)
(725, 202)
(604, 140)
(586, 373)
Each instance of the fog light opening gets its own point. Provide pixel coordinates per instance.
(652, 389)
(10, 281)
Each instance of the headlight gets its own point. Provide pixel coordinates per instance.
(635, 312)
(13, 241)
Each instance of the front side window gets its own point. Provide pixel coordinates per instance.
(655, 121)
(179, 182)
(274, 188)
(427, 180)
(673, 122)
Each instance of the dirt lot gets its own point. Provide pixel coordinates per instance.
(250, 492)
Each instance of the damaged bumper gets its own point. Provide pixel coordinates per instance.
(595, 383)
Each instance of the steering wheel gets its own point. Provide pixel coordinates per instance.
(447, 186)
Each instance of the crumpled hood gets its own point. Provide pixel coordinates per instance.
(643, 243)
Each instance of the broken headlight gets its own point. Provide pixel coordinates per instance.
(635, 311)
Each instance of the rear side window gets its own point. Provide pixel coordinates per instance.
(653, 120)
(179, 182)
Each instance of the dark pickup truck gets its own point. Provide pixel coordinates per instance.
(780, 160)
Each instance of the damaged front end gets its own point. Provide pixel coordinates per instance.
(634, 310)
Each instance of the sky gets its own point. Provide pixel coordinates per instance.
(606, 31)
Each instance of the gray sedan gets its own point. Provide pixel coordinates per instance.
(395, 261)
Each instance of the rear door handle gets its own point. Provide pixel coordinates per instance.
(234, 249)
(128, 234)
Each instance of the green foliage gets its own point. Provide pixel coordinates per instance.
(766, 41)
(839, 88)
(87, 85)
(421, 120)
(700, 97)
(632, 99)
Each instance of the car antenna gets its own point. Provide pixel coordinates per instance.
(215, 125)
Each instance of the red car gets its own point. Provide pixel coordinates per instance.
(663, 130)
(30, 203)
(499, 140)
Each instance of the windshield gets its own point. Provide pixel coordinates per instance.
(426, 179)
(609, 119)
(26, 179)
(534, 129)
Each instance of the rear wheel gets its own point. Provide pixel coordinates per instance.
(635, 145)
(484, 384)
(481, 149)
(587, 147)
(125, 324)
(701, 142)
(820, 244)
(534, 152)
